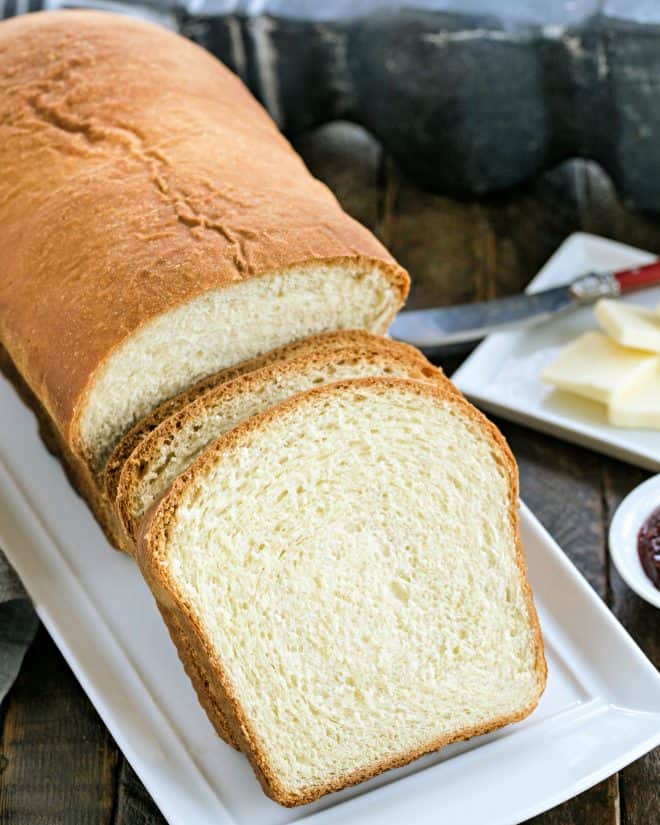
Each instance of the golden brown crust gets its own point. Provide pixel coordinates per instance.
(77, 471)
(151, 558)
(202, 681)
(384, 351)
(137, 174)
(172, 406)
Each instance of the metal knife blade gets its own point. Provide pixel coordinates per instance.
(429, 328)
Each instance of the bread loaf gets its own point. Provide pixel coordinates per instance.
(169, 449)
(155, 227)
(347, 567)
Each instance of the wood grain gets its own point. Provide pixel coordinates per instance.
(561, 483)
(640, 795)
(469, 250)
(58, 761)
(597, 806)
(133, 804)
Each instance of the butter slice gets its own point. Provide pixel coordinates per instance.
(629, 325)
(640, 407)
(596, 367)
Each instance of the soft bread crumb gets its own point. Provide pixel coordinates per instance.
(170, 449)
(351, 561)
(221, 328)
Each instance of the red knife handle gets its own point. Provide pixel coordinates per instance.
(638, 277)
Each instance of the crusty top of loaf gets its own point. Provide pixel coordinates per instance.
(137, 173)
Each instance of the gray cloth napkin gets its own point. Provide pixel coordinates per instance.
(18, 624)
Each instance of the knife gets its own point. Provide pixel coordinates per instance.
(429, 328)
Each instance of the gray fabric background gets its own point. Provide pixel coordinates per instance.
(18, 624)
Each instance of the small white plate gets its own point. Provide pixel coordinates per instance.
(631, 514)
(502, 374)
(600, 711)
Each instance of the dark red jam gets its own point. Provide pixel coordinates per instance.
(648, 547)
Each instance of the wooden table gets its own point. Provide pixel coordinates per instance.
(58, 764)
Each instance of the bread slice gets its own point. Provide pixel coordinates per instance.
(348, 566)
(340, 354)
(330, 340)
(146, 243)
(173, 445)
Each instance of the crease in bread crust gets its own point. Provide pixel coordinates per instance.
(337, 339)
(143, 462)
(152, 558)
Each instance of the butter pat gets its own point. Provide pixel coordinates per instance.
(629, 325)
(640, 407)
(596, 367)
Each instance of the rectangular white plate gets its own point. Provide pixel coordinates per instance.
(601, 709)
(502, 374)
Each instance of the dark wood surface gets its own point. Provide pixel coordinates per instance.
(58, 764)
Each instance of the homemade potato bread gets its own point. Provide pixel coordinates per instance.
(347, 567)
(155, 227)
(329, 529)
(164, 453)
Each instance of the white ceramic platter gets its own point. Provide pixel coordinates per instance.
(601, 709)
(501, 375)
